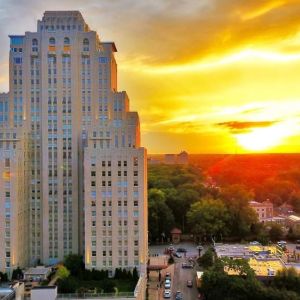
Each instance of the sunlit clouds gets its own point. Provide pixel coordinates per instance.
(195, 69)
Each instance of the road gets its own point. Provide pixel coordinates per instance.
(180, 278)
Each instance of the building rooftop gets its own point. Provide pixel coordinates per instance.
(37, 271)
(293, 218)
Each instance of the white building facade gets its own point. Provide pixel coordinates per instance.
(63, 90)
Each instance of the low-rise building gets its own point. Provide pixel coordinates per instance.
(39, 273)
(264, 209)
(44, 292)
(293, 221)
(177, 159)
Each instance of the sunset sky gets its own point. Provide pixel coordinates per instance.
(206, 76)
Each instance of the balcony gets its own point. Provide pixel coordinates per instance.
(51, 50)
(66, 51)
(85, 53)
(34, 53)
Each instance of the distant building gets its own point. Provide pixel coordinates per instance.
(39, 273)
(153, 161)
(278, 220)
(176, 234)
(293, 221)
(265, 261)
(264, 209)
(181, 159)
(285, 209)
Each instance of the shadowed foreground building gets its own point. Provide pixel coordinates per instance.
(74, 174)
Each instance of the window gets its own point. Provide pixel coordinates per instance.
(94, 253)
(52, 41)
(66, 41)
(7, 162)
(86, 44)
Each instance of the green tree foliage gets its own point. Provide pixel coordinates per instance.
(181, 185)
(3, 277)
(242, 217)
(108, 286)
(161, 219)
(208, 217)
(275, 231)
(67, 285)
(207, 259)
(217, 284)
(74, 263)
(17, 274)
(287, 279)
(62, 272)
(135, 274)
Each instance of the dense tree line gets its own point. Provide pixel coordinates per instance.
(217, 284)
(270, 176)
(171, 192)
(74, 278)
(179, 197)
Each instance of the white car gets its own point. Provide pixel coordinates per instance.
(167, 294)
(254, 243)
(167, 284)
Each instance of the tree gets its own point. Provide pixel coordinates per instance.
(160, 217)
(242, 217)
(17, 274)
(287, 279)
(74, 263)
(275, 232)
(135, 274)
(217, 284)
(208, 217)
(207, 259)
(108, 286)
(67, 285)
(62, 272)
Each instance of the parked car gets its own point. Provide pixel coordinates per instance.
(167, 293)
(168, 276)
(167, 284)
(187, 265)
(281, 243)
(189, 283)
(298, 244)
(178, 296)
(177, 255)
(182, 250)
(254, 243)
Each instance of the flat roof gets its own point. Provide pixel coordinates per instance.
(294, 218)
(37, 271)
(112, 44)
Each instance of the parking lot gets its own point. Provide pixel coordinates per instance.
(179, 275)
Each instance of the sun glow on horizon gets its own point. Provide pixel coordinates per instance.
(262, 139)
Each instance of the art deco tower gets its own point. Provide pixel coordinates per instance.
(85, 170)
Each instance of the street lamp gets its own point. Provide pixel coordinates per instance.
(199, 248)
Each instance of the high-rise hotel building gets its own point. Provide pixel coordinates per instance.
(73, 171)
